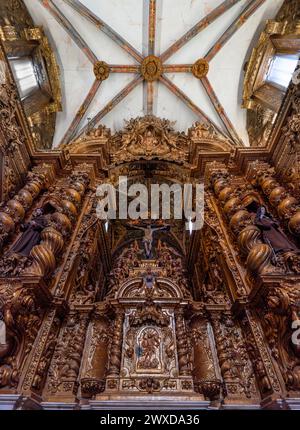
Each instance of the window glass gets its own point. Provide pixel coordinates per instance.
(24, 74)
(282, 69)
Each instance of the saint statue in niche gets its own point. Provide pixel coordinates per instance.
(32, 230)
(272, 234)
(148, 350)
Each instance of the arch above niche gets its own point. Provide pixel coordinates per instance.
(137, 289)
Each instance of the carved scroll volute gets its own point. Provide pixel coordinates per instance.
(96, 353)
(15, 209)
(259, 259)
(43, 255)
(248, 238)
(116, 344)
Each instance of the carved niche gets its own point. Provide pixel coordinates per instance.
(152, 349)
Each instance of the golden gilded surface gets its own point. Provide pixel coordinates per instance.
(151, 68)
(101, 70)
(207, 318)
(200, 69)
(261, 98)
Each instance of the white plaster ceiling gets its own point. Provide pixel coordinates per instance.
(173, 19)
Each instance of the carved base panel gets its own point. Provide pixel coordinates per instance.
(65, 392)
(150, 385)
(143, 403)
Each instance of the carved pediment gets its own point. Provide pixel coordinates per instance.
(149, 313)
(149, 138)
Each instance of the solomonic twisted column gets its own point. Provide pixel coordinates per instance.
(15, 209)
(286, 205)
(182, 345)
(116, 345)
(234, 201)
(53, 236)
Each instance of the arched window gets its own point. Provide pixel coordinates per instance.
(25, 75)
(281, 69)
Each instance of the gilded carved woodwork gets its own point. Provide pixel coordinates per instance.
(20, 37)
(146, 138)
(22, 315)
(264, 368)
(280, 307)
(44, 255)
(234, 201)
(285, 204)
(14, 156)
(39, 360)
(151, 68)
(200, 68)
(263, 99)
(101, 70)
(64, 369)
(206, 378)
(208, 318)
(98, 340)
(235, 364)
(15, 209)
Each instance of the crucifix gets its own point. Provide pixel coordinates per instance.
(149, 230)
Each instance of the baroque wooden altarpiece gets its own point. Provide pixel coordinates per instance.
(92, 323)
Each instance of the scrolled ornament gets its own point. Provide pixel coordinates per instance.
(225, 194)
(233, 205)
(52, 239)
(287, 207)
(248, 238)
(277, 195)
(294, 224)
(43, 261)
(16, 210)
(239, 221)
(259, 259)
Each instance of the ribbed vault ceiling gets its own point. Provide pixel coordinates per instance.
(122, 33)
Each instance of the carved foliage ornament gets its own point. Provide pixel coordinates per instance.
(101, 70)
(151, 68)
(149, 138)
(200, 68)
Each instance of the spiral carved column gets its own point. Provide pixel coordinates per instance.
(233, 202)
(182, 345)
(15, 209)
(116, 345)
(286, 205)
(70, 199)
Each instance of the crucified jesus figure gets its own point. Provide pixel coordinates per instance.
(148, 236)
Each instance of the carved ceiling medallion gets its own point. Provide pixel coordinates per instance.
(101, 70)
(151, 68)
(200, 68)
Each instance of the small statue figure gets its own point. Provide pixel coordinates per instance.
(272, 234)
(149, 230)
(32, 231)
